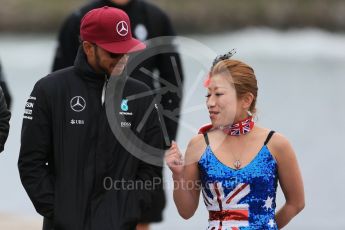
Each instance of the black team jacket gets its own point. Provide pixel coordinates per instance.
(67, 153)
(5, 116)
(5, 89)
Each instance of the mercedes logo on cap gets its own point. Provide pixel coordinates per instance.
(122, 28)
(78, 103)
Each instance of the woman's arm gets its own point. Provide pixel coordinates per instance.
(186, 176)
(290, 180)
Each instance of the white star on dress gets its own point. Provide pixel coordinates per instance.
(268, 203)
(271, 223)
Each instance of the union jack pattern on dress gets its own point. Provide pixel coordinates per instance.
(241, 199)
(225, 213)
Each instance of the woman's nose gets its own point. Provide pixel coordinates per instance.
(211, 102)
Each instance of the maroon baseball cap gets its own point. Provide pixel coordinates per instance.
(109, 28)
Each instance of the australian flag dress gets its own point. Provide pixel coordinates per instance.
(242, 199)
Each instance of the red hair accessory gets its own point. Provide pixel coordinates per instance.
(207, 80)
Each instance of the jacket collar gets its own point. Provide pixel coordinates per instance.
(85, 70)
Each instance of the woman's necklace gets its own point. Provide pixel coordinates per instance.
(237, 129)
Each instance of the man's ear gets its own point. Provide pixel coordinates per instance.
(88, 48)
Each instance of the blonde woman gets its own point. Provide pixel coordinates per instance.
(235, 164)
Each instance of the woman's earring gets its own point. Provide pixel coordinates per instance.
(249, 113)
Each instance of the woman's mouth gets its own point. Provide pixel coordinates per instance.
(213, 114)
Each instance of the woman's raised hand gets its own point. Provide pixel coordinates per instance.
(174, 160)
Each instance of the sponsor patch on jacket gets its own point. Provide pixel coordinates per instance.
(126, 124)
(78, 104)
(126, 113)
(29, 107)
(124, 105)
(77, 122)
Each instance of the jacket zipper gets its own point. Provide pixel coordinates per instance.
(104, 89)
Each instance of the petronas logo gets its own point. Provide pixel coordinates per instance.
(124, 105)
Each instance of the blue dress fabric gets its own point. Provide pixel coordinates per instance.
(243, 199)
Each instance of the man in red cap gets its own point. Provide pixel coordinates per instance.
(149, 22)
(75, 171)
